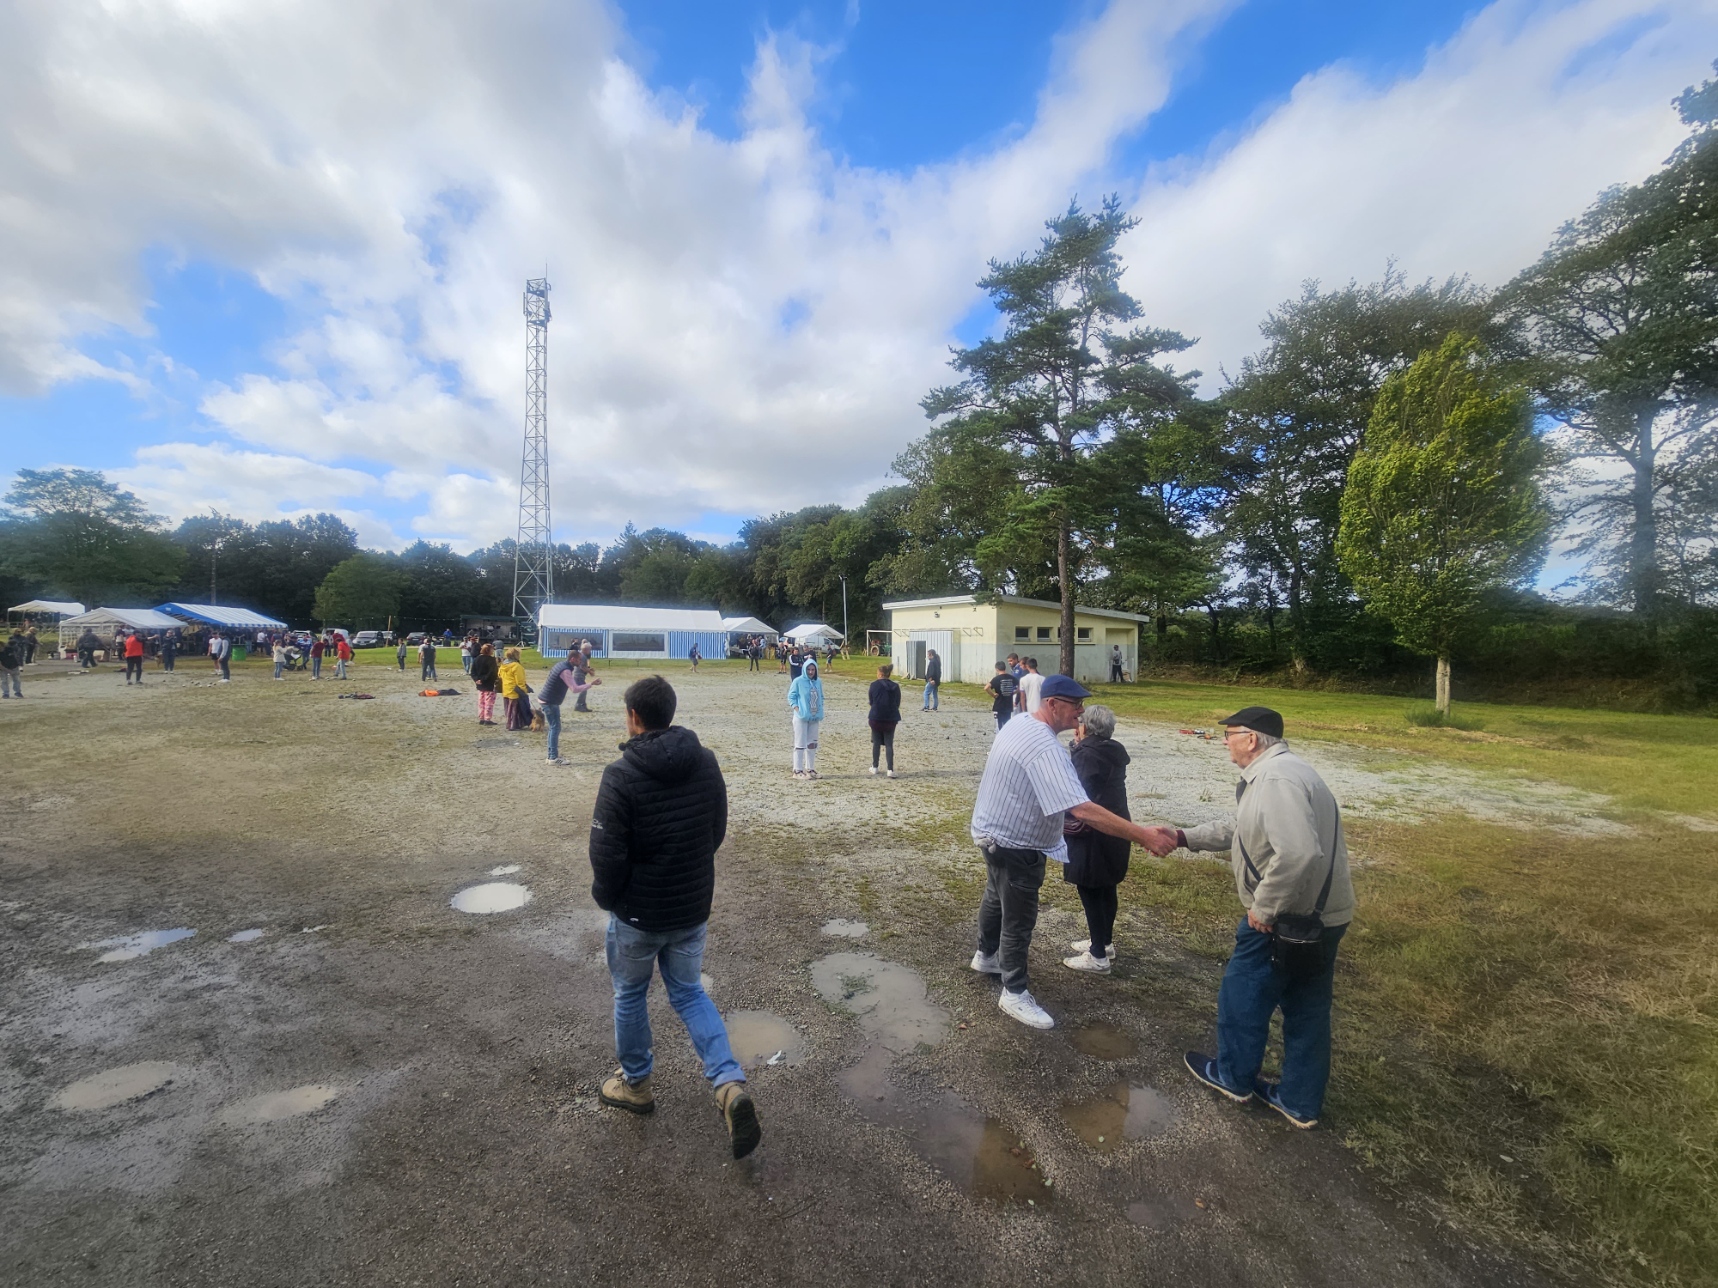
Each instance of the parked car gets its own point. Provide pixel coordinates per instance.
(367, 639)
(416, 638)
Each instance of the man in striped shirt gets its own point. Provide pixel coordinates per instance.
(1029, 783)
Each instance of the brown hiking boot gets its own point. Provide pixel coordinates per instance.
(741, 1116)
(635, 1096)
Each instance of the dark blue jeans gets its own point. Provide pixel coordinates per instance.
(1252, 990)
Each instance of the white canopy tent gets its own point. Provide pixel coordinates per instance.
(812, 633)
(56, 607)
(748, 626)
(108, 620)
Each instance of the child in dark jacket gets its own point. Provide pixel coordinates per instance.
(885, 715)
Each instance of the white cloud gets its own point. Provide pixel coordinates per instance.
(740, 325)
(1468, 166)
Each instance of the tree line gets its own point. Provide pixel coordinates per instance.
(1379, 483)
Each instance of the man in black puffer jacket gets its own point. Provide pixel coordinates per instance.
(661, 813)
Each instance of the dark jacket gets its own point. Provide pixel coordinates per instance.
(485, 672)
(554, 690)
(885, 702)
(12, 654)
(1093, 858)
(661, 813)
(934, 670)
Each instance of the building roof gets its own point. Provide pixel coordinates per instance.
(628, 617)
(748, 626)
(222, 615)
(941, 600)
(67, 607)
(138, 619)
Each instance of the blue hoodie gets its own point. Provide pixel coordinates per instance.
(805, 695)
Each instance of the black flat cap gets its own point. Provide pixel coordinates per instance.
(1258, 719)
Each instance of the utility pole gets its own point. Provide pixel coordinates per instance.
(845, 642)
(533, 554)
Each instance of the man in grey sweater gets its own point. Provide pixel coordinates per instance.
(1285, 845)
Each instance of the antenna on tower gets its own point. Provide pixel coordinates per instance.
(533, 558)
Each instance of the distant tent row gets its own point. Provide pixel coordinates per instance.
(163, 617)
(816, 633)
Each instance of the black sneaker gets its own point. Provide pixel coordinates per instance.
(1272, 1094)
(1204, 1068)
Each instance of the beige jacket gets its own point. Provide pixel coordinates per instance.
(1288, 824)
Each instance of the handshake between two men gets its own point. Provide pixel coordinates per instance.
(1158, 840)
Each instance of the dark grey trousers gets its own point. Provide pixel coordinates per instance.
(1008, 912)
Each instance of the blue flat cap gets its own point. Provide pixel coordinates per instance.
(1062, 686)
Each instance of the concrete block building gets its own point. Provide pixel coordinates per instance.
(971, 636)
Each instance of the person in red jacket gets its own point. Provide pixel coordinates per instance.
(342, 655)
(133, 656)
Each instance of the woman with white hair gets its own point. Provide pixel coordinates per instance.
(1097, 863)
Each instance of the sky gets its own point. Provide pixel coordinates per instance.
(267, 256)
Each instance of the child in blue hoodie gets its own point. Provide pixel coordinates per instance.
(805, 697)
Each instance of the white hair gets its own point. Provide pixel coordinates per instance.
(1266, 740)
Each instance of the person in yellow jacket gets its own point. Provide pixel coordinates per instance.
(514, 690)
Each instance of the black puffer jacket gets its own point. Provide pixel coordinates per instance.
(661, 813)
(1094, 858)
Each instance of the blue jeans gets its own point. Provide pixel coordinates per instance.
(1252, 990)
(315, 668)
(633, 956)
(552, 717)
(931, 695)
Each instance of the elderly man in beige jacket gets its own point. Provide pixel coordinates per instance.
(1291, 872)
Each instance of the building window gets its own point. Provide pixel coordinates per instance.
(1083, 634)
(1043, 632)
(1022, 633)
(639, 642)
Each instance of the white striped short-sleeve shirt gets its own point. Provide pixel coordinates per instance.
(1029, 782)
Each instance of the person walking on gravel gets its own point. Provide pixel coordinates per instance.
(342, 655)
(885, 716)
(1291, 873)
(661, 814)
(805, 699)
(1001, 689)
(582, 675)
(933, 680)
(133, 650)
(426, 658)
(221, 649)
(1029, 785)
(400, 653)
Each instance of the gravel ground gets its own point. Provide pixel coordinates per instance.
(378, 1089)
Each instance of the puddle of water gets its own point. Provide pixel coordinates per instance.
(114, 1086)
(505, 870)
(841, 928)
(762, 1037)
(1162, 1213)
(278, 1104)
(491, 896)
(1124, 1112)
(124, 948)
(244, 936)
(978, 1154)
(887, 998)
(1104, 1042)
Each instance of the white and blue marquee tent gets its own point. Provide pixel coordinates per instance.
(232, 619)
(624, 631)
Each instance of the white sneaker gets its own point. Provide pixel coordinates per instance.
(873, 771)
(1085, 946)
(1085, 961)
(986, 964)
(891, 773)
(1024, 1007)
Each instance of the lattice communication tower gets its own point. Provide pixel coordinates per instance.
(533, 560)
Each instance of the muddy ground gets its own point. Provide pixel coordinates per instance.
(379, 1089)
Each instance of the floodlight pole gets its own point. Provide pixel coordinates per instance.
(843, 577)
(533, 553)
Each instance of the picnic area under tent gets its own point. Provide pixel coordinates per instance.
(813, 633)
(622, 631)
(109, 620)
(748, 626)
(232, 619)
(47, 608)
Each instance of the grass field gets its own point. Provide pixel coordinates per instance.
(1528, 1019)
